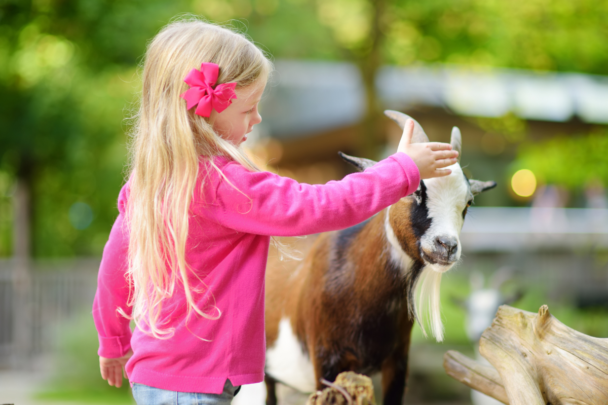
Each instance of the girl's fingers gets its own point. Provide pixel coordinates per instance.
(114, 376)
(406, 137)
(110, 376)
(435, 146)
(445, 162)
(442, 172)
(118, 377)
(445, 154)
(112, 370)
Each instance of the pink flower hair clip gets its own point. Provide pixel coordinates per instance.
(203, 93)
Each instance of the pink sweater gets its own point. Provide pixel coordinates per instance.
(227, 246)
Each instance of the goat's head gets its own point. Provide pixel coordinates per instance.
(423, 229)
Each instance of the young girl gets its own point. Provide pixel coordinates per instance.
(187, 254)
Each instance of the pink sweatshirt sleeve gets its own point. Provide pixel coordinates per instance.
(264, 203)
(113, 290)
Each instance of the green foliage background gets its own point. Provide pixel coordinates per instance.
(69, 78)
(571, 161)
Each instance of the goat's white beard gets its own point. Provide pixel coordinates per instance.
(428, 302)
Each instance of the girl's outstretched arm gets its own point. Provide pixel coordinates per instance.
(267, 204)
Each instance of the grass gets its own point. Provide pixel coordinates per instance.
(77, 377)
(86, 396)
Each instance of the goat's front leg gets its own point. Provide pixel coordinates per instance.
(328, 365)
(271, 390)
(324, 369)
(394, 377)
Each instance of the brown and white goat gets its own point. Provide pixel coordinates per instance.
(349, 305)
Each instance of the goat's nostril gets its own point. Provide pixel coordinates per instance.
(450, 244)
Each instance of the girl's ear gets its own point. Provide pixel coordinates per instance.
(359, 163)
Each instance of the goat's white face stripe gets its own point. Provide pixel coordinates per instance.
(287, 362)
(398, 256)
(446, 199)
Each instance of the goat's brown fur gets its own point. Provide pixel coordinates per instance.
(337, 303)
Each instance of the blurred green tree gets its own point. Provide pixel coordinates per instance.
(65, 89)
(553, 35)
(573, 162)
(69, 73)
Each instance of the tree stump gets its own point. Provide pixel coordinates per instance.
(348, 389)
(537, 360)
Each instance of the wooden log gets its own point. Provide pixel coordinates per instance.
(539, 361)
(478, 376)
(348, 389)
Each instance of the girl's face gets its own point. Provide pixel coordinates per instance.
(235, 122)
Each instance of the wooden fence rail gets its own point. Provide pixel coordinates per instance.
(32, 308)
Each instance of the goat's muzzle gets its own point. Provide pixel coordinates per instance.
(445, 251)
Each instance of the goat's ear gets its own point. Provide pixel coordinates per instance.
(359, 163)
(481, 186)
(456, 141)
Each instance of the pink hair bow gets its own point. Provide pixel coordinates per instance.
(203, 93)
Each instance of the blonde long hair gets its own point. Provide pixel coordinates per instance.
(168, 143)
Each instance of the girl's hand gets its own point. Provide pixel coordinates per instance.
(430, 157)
(113, 369)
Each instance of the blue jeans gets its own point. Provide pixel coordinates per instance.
(145, 395)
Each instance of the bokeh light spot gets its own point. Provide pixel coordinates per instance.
(523, 183)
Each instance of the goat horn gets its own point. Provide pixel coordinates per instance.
(400, 118)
